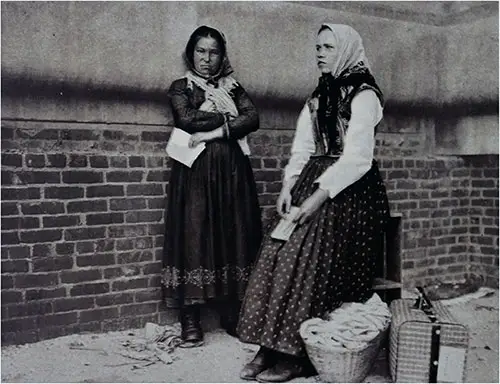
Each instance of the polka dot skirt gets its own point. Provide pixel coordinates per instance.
(327, 261)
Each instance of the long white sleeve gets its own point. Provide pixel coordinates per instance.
(303, 145)
(357, 156)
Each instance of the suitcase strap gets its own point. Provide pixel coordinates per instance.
(423, 303)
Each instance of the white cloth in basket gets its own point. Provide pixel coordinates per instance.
(351, 326)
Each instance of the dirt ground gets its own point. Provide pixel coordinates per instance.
(220, 359)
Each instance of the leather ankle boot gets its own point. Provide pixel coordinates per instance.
(264, 359)
(190, 323)
(287, 368)
(229, 317)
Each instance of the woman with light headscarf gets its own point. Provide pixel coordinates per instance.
(343, 210)
(213, 223)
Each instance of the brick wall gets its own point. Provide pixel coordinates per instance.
(82, 219)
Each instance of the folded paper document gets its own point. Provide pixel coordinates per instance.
(178, 147)
(286, 226)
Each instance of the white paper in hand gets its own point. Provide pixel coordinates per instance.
(286, 226)
(178, 147)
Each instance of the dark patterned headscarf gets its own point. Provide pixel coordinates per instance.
(351, 69)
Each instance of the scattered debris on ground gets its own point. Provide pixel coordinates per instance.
(156, 354)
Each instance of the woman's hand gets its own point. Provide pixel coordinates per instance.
(311, 205)
(284, 201)
(198, 138)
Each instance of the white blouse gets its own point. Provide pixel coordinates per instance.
(359, 144)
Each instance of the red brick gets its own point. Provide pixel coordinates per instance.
(10, 238)
(133, 176)
(41, 236)
(482, 183)
(17, 251)
(89, 289)
(56, 161)
(87, 206)
(118, 272)
(66, 193)
(15, 266)
(12, 160)
(42, 208)
(149, 189)
(85, 247)
(22, 193)
(104, 218)
(84, 233)
(155, 281)
(17, 325)
(155, 162)
(156, 203)
(95, 259)
(144, 243)
(105, 245)
(118, 161)
(128, 284)
(61, 221)
(10, 209)
(65, 248)
(152, 268)
(98, 161)
(267, 175)
(80, 275)
(134, 257)
(156, 229)
(43, 294)
(98, 315)
(35, 280)
(77, 161)
(9, 297)
(114, 299)
(82, 177)
(38, 177)
(127, 204)
(139, 161)
(58, 320)
(105, 190)
(35, 161)
(29, 309)
(138, 309)
(149, 295)
(143, 216)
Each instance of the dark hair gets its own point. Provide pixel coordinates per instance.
(200, 32)
(323, 28)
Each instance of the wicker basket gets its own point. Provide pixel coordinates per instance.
(339, 364)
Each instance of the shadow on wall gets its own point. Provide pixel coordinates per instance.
(15, 87)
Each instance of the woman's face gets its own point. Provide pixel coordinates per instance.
(326, 51)
(207, 56)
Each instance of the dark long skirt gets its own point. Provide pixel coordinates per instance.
(327, 261)
(213, 227)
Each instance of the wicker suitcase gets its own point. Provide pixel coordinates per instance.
(426, 344)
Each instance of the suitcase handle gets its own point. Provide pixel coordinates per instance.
(424, 304)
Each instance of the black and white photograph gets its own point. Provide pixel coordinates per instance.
(249, 191)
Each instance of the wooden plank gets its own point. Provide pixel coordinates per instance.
(381, 283)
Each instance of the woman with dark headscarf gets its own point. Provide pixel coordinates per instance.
(343, 210)
(213, 222)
